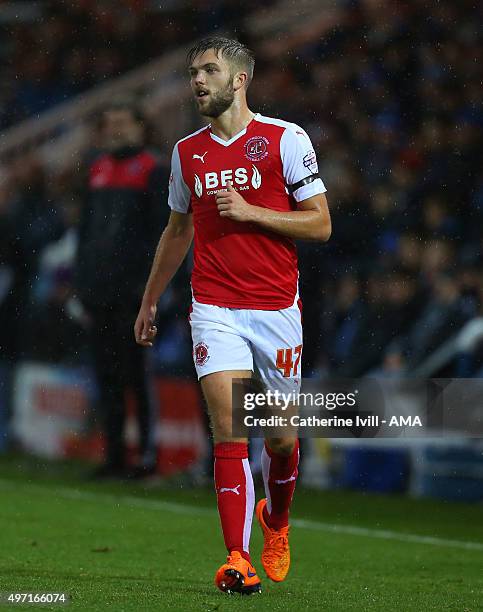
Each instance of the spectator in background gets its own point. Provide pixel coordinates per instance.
(343, 322)
(122, 217)
(29, 222)
(391, 304)
(443, 315)
(392, 90)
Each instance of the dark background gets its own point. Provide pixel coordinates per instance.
(389, 93)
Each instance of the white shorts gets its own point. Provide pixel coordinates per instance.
(267, 342)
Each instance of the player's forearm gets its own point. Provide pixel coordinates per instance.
(297, 224)
(170, 253)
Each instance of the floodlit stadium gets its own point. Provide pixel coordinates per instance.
(241, 291)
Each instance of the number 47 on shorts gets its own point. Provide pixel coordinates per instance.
(285, 360)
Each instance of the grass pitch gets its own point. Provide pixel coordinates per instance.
(120, 547)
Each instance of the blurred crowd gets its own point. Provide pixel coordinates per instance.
(391, 99)
(56, 49)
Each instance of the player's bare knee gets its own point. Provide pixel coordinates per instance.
(281, 446)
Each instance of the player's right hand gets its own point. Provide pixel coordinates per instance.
(144, 329)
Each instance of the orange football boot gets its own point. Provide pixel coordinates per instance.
(276, 551)
(237, 575)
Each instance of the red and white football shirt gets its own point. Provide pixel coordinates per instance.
(239, 265)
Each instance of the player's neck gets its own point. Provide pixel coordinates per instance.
(232, 121)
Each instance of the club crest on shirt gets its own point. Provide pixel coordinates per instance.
(201, 353)
(256, 148)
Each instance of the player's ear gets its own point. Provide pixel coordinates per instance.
(239, 80)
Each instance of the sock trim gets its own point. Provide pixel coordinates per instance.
(249, 505)
(272, 453)
(231, 450)
(266, 460)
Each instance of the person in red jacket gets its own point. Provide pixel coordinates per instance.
(120, 224)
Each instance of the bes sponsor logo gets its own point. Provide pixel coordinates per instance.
(256, 148)
(201, 353)
(241, 179)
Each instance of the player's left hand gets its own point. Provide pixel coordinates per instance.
(231, 205)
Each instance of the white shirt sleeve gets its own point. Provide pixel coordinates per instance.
(299, 162)
(179, 195)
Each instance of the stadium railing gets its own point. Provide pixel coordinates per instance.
(465, 341)
(60, 133)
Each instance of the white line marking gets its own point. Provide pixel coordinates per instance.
(385, 534)
(155, 504)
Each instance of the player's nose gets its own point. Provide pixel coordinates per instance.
(199, 79)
